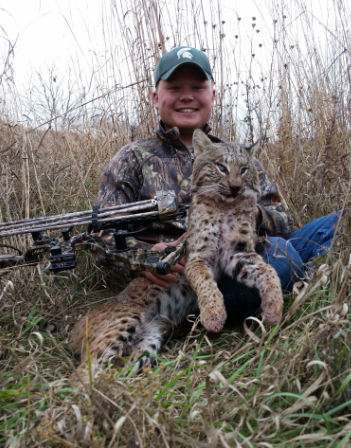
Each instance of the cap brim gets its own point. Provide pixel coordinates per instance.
(168, 73)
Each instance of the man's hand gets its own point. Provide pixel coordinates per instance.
(165, 280)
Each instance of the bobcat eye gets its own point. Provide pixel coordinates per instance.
(243, 170)
(222, 168)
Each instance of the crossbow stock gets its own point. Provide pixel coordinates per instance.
(62, 250)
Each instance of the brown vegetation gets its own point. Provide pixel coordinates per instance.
(286, 387)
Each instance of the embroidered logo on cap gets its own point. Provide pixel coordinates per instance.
(185, 53)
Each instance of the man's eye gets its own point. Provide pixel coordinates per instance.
(243, 170)
(222, 168)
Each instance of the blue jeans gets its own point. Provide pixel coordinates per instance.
(288, 257)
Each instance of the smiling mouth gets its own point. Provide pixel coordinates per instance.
(187, 110)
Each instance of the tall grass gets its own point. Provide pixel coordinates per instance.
(282, 76)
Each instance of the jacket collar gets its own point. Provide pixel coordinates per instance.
(171, 137)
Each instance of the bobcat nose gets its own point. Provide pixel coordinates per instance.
(235, 189)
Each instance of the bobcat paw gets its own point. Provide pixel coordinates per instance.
(213, 318)
(150, 344)
(273, 314)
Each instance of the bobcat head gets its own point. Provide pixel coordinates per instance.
(223, 170)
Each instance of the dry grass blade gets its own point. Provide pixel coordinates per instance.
(282, 76)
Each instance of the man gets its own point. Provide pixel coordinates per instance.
(184, 97)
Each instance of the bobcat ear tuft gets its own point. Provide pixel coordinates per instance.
(200, 142)
(251, 149)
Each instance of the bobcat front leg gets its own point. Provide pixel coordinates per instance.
(251, 270)
(212, 309)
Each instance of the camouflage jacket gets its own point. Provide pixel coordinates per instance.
(162, 162)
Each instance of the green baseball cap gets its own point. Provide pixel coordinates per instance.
(182, 55)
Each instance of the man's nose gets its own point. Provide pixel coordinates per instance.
(186, 94)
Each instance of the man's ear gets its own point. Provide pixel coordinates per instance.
(155, 99)
(200, 142)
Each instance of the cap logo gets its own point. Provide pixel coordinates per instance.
(185, 53)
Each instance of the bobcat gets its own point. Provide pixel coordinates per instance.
(220, 240)
(221, 235)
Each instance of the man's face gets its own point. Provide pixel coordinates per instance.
(185, 100)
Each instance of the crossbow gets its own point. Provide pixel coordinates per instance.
(61, 250)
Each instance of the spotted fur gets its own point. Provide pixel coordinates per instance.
(221, 234)
(221, 239)
(140, 319)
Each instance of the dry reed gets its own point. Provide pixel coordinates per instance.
(286, 387)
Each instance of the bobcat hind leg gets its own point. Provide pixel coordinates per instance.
(112, 329)
(153, 336)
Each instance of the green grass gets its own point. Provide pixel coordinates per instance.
(286, 387)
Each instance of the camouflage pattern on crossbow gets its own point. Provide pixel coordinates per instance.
(62, 250)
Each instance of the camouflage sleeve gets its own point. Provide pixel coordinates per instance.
(121, 180)
(120, 184)
(276, 218)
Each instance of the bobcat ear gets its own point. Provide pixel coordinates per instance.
(200, 142)
(251, 149)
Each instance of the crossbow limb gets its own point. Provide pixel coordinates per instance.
(62, 250)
